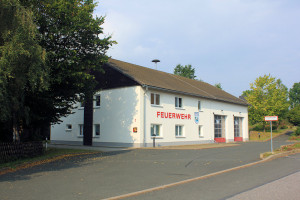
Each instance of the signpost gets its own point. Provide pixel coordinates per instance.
(270, 119)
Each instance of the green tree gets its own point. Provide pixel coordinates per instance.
(57, 77)
(294, 115)
(186, 71)
(294, 95)
(75, 47)
(268, 97)
(218, 85)
(22, 67)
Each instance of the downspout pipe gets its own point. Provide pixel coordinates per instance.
(145, 114)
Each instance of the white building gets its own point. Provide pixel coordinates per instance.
(137, 103)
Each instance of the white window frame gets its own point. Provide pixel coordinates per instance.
(200, 131)
(179, 102)
(220, 126)
(155, 126)
(199, 106)
(80, 133)
(96, 101)
(238, 128)
(179, 131)
(69, 127)
(94, 132)
(153, 99)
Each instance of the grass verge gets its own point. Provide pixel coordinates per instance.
(50, 155)
(291, 148)
(263, 136)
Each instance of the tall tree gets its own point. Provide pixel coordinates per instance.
(267, 96)
(22, 67)
(75, 48)
(54, 79)
(186, 71)
(294, 115)
(294, 95)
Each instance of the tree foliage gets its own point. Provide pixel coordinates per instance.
(294, 95)
(56, 48)
(294, 115)
(22, 65)
(186, 71)
(268, 97)
(218, 85)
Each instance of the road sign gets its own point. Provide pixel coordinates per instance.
(271, 118)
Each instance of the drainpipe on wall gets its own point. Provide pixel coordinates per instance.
(145, 100)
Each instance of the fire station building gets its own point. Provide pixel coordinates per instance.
(136, 103)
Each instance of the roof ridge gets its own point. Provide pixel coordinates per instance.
(175, 76)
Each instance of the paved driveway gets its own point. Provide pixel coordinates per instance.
(114, 173)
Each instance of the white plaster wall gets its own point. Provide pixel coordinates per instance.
(122, 109)
(118, 114)
(190, 105)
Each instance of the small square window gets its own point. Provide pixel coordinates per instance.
(199, 106)
(97, 100)
(69, 127)
(200, 131)
(97, 129)
(178, 130)
(80, 129)
(155, 99)
(155, 130)
(178, 102)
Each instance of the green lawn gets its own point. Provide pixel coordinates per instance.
(254, 136)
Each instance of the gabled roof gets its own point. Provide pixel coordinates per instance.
(172, 83)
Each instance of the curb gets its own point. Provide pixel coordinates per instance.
(132, 194)
(279, 155)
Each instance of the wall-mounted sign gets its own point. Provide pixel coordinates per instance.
(196, 114)
(170, 115)
(135, 129)
(271, 118)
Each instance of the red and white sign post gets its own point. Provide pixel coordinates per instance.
(270, 119)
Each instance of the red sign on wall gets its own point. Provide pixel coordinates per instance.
(170, 115)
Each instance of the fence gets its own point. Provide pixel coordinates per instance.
(14, 151)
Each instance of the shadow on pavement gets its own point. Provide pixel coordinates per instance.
(61, 164)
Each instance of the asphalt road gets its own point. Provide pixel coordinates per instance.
(275, 180)
(111, 174)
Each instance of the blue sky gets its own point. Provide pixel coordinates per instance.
(231, 42)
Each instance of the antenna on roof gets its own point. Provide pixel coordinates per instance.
(156, 61)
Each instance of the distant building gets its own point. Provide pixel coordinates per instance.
(138, 103)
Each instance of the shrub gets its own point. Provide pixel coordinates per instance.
(297, 132)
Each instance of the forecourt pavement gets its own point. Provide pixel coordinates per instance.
(110, 174)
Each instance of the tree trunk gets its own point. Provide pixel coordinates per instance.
(88, 120)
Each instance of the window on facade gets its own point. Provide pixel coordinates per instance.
(97, 100)
(82, 104)
(69, 127)
(155, 99)
(178, 130)
(238, 126)
(200, 132)
(219, 126)
(97, 129)
(178, 102)
(155, 130)
(199, 106)
(80, 129)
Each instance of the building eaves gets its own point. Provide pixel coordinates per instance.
(172, 83)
